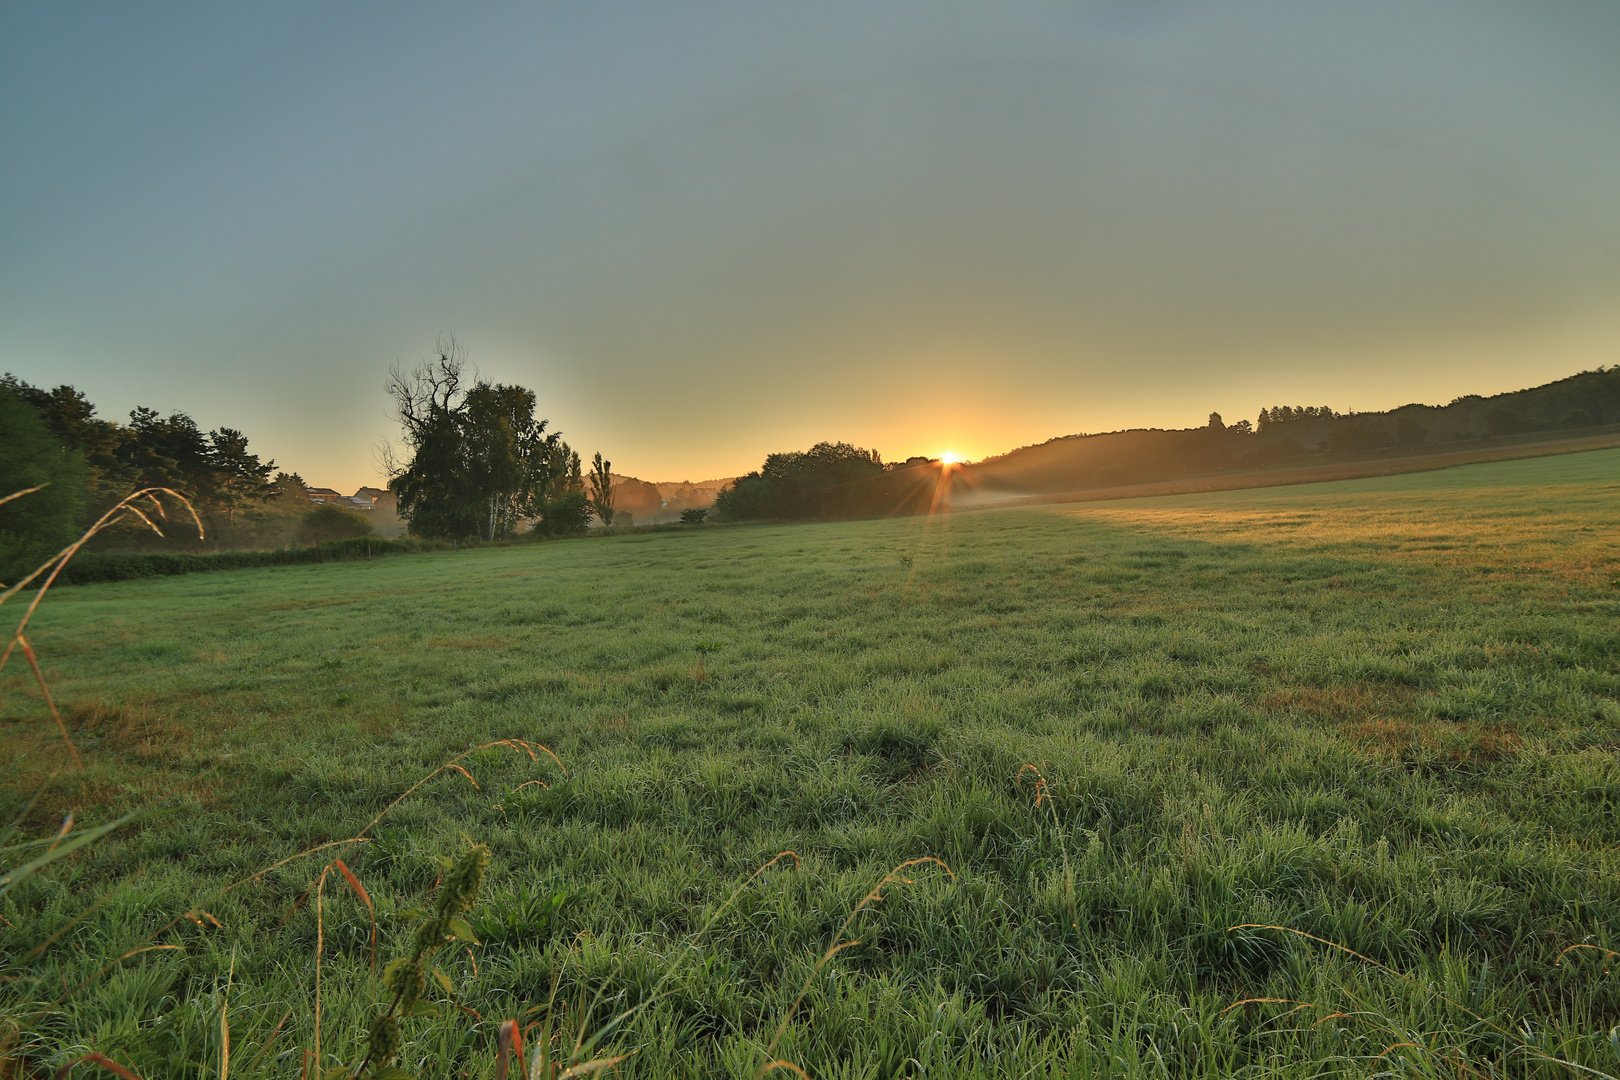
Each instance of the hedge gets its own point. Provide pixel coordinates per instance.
(88, 567)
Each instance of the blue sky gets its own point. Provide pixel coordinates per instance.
(703, 232)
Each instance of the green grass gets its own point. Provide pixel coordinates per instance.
(1379, 711)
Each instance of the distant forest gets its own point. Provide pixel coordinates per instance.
(833, 480)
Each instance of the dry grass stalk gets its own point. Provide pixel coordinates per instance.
(1270, 1001)
(782, 1063)
(52, 567)
(508, 1046)
(320, 944)
(24, 491)
(225, 1023)
(365, 898)
(100, 1061)
(1608, 954)
(45, 691)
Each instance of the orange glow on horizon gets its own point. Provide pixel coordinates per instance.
(950, 457)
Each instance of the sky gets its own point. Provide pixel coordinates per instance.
(706, 232)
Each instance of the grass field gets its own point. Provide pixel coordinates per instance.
(1382, 712)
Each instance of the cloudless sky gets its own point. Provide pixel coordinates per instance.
(703, 232)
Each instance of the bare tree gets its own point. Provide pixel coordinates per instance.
(425, 395)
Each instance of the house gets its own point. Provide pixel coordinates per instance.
(325, 495)
(380, 499)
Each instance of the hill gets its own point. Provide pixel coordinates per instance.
(1298, 438)
(647, 501)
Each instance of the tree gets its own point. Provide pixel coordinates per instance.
(168, 451)
(694, 515)
(290, 486)
(602, 488)
(328, 522)
(213, 469)
(480, 461)
(1216, 423)
(506, 454)
(828, 480)
(71, 418)
(431, 487)
(239, 478)
(38, 525)
(567, 515)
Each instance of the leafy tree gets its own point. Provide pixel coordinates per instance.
(480, 461)
(38, 525)
(432, 488)
(602, 488)
(695, 515)
(328, 522)
(569, 514)
(168, 451)
(828, 480)
(563, 507)
(1285, 414)
(506, 454)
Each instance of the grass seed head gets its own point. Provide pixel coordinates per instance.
(384, 1041)
(460, 886)
(406, 979)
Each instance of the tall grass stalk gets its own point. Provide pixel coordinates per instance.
(126, 508)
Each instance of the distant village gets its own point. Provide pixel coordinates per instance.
(367, 498)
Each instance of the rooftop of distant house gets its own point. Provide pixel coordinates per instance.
(364, 499)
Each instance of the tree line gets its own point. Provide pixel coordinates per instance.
(214, 468)
(53, 437)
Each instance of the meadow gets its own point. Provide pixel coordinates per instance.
(1140, 736)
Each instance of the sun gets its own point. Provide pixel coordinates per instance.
(950, 457)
